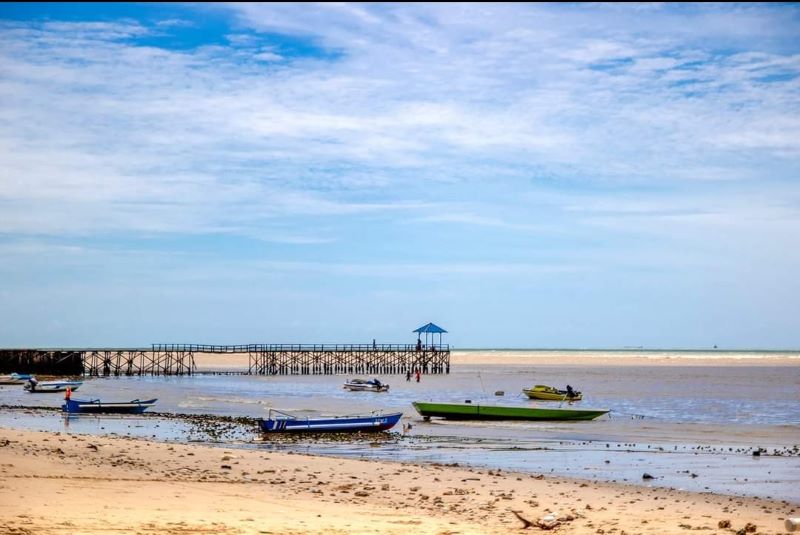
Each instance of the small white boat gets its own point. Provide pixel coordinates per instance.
(364, 385)
(14, 379)
(35, 387)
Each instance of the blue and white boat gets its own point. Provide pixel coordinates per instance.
(95, 406)
(286, 423)
(14, 378)
(35, 387)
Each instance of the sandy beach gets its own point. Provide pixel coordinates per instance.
(490, 357)
(58, 483)
(704, 416)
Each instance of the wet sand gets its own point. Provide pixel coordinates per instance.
(58, 483)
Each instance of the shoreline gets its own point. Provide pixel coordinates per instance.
(179, 488)
(210, 362)
(727, 467)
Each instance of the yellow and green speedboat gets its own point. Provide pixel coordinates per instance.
(475, 411)
(549, 393)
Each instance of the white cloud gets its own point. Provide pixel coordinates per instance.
(222, 139)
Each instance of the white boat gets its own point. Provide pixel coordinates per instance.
(14, 379)
(35, 387)
(364, 385)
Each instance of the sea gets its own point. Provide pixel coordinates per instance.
(721, 422)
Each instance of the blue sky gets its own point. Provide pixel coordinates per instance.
(524, 175)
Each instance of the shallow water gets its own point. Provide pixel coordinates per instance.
(659, 417)
(740, 395)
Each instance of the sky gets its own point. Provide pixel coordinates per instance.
(524, 175)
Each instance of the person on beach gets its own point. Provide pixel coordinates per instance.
(417, 374)
(68, 394)
(408, 375)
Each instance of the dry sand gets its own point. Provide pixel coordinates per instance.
(56, 483)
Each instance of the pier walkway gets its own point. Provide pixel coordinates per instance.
(264, 359)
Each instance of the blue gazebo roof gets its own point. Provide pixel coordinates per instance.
(430, 328)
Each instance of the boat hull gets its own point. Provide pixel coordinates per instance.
(54, 386)
(365, 388)
(330, 425)
(469, 411)
(364, 385)
(76, 406)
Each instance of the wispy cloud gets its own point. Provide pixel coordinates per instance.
(91, 115)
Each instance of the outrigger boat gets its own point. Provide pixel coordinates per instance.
(35, 387)
(14, 379)
(474, 411)
(363, 385)
(549, 393)
(95, 406)
(286, 423)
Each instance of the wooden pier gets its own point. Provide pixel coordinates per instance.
(264, 359)
(331, 359)
(50, 362)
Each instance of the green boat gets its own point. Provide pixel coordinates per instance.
(473, 411)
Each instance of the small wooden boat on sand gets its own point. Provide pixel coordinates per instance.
(474, 411)
(14, 379)
(549, 393)
(286, 423)
(364, 385)
(95, 406)
(35, 387)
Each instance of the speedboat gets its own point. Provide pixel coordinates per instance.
(14, 379)
(549, 393)
(371, 385)
(35, 387)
